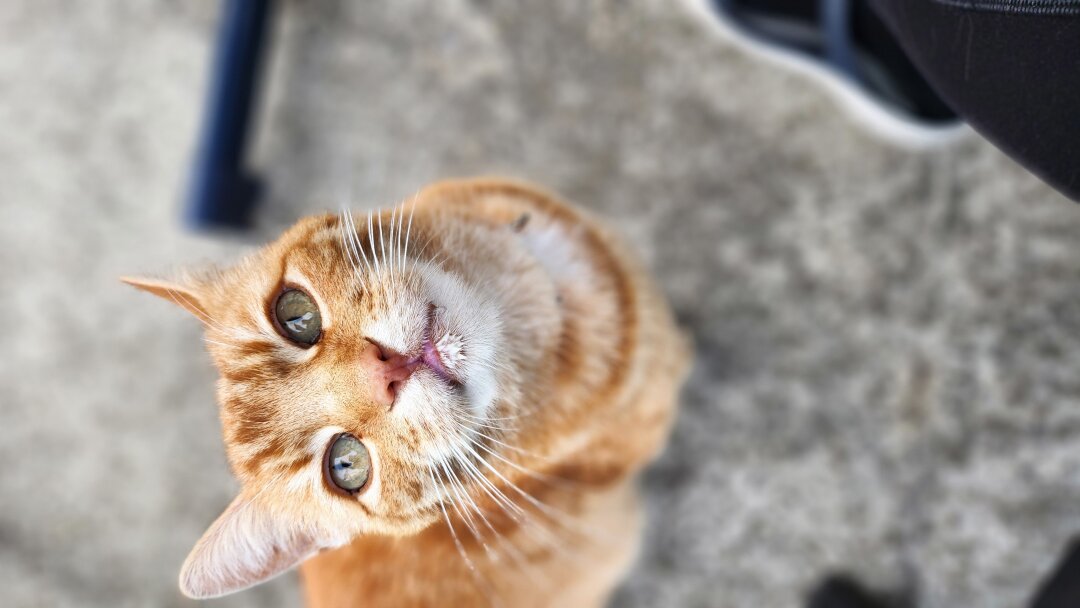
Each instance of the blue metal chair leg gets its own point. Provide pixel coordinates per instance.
(222, 193)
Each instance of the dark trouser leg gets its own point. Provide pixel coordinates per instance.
(1062, 588)
(1012, 72)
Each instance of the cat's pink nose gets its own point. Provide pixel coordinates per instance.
(386, 370)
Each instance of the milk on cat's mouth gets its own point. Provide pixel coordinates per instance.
(458, 336)
(441, 351)
(432, 357)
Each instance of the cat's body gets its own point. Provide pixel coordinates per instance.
(506, 478)
(618, 366)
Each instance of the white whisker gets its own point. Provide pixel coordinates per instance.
(540, 533)
(354, 260)
(382, 245)
(453, 533)
(505, 543)
(480, 582)
(564, 519)
(223, 344)
(355, 238)
(207, 320)
(371, 242)
(393, 260)
(467, 501)
(408, 231)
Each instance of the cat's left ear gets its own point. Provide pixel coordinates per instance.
(184, 295)
(248, 544)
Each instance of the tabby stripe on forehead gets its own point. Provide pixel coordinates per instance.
(275, 447)
(248, 418)
(256, 372)
(251, 348)
(280, 454)
(257, 364)
(297, 464)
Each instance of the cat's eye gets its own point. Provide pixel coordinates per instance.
(348, 464)
(297, 316)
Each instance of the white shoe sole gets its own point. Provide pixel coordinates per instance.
(874, 117)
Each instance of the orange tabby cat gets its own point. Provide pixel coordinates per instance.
(443, 404)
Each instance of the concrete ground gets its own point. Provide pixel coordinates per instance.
(887, 341)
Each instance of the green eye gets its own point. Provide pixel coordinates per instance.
(348, 464)
(298, 316)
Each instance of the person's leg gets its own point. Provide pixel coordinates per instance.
(1062, 588)
(1011, 68)
(842, 592)
(844, 45)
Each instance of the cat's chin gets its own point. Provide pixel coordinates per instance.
(462, 339)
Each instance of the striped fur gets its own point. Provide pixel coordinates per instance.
(514, 488)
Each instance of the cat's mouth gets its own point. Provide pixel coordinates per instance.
(440, 349)
(434, 361)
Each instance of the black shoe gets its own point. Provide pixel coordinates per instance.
(843, 44)
(841, 592)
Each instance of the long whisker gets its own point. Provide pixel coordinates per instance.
(510, 507)
(371, 242)
(400, 230)
(346, 245)
(349, 250)
(528, 523)
(461, 432)
(397, 238)
(521, 451)
(177, 296)
(354, 236)
(480, 582)
(564, 519)
(491, 419)
(222, 344)
(467, 501)
(457, 541)
(511, 550)
(494, 427)
(424, 250)
(408, 231)
(382, 245)
(233, 332)
(552, 479)
(465, 517)
(393, 263)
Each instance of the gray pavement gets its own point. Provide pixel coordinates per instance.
(886, 340)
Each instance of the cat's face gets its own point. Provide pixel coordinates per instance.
(360, 363)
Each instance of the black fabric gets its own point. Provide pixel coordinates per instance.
(1062, 588)
(885, 68)
(859, 46)
(1031, 7)
(842, 592)
(1014, 75)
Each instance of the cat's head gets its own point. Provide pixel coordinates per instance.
(362, 359)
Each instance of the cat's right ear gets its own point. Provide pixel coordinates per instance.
(249, 543)
(181, 294)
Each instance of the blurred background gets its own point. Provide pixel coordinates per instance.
(887, 340)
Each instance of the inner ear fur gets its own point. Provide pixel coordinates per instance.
(247, 545)
(185, 295)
